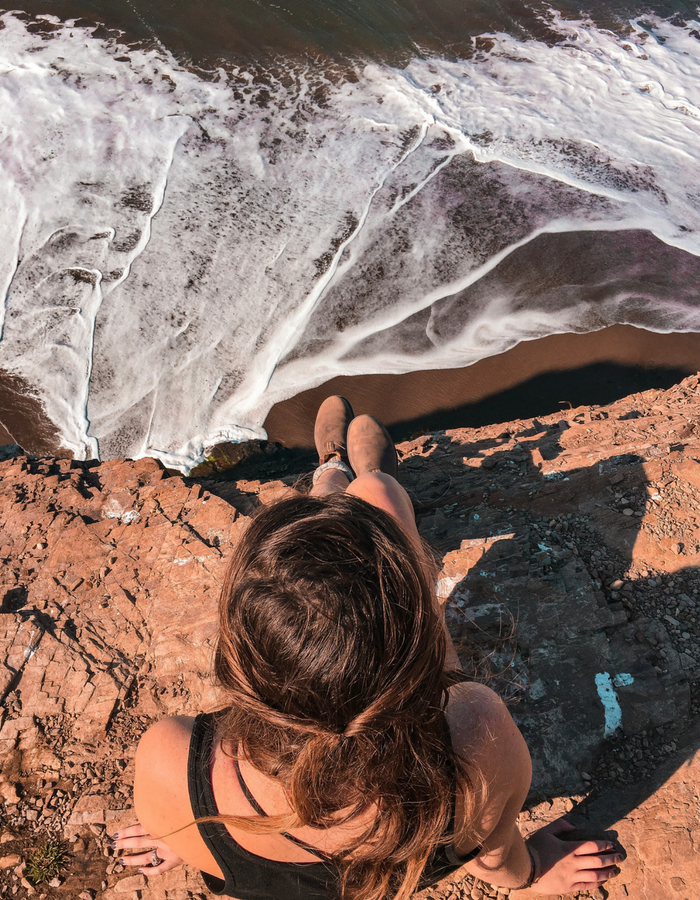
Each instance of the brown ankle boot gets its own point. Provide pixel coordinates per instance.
(330, 431)
(370, 449)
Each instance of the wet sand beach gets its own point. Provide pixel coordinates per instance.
(23, 420)
(535, 378)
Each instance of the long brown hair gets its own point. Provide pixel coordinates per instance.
(331, 652)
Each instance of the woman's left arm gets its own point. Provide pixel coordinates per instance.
(162, 804)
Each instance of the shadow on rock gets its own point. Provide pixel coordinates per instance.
(563, 571)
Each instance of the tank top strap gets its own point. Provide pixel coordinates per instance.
(247, 876)
(261, 812)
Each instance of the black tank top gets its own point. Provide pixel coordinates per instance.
(248, 876)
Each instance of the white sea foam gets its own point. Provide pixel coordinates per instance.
(177, 253)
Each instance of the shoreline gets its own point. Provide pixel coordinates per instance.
(534, 378)
(23, 420)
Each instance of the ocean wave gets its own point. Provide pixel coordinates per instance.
(180, 252)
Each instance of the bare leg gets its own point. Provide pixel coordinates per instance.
(329, 482)
(372, 456)
(386, 493)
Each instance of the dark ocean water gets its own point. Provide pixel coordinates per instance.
(209, 207)
(258, 31)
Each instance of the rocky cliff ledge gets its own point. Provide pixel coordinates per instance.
(570, 550)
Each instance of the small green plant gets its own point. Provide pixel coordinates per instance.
(45, 863)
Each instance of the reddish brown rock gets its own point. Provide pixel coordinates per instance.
(570, 547)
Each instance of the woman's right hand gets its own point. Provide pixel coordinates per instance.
(571, 865)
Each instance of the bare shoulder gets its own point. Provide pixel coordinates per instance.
(172, 732)
(164, 745)
(495, 754)
(477, 718)
(161, 794)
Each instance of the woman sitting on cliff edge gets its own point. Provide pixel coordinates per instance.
(354, 760)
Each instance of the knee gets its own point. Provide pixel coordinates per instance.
(375, 484)
(385, 492)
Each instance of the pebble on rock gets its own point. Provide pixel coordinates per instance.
(130, 883)
(9, 862)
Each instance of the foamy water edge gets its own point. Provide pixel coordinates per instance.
(179, 254)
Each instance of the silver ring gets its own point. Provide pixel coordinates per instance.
(155, 859)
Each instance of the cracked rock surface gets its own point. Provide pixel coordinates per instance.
(570, 568)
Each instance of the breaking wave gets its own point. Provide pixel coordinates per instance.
(180, 250)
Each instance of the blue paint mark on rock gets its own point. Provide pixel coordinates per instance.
(608, 697)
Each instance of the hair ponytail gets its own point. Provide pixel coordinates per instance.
(332, 653)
